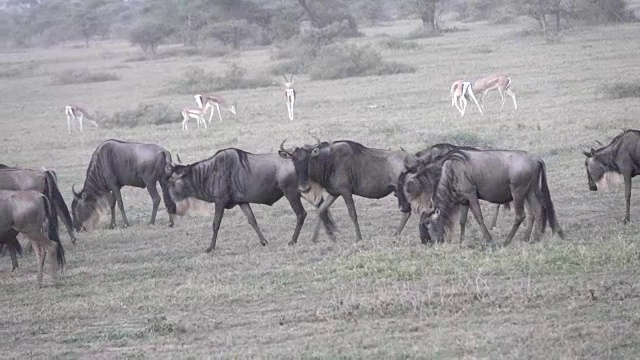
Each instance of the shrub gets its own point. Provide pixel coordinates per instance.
(622, 90)
(81, 76)
(422, 32)
(143, 114)
(148, 34)
(341, 61)
(398, 44)
(196, 79)
(21, 70)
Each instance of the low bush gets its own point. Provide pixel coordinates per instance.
(196, 80)
(82, 76)
(398, 44)
(21, 70)
(620, 90)
(142, 114)
(342, 60)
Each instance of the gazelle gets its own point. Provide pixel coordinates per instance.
(209, 101)
(197, 114)
(461, 91)
(289, 94)
(497, 81)
(78, 113)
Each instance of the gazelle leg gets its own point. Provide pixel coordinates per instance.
(81, 116)
(473, 97)
(218, 108)
(513, 96)
(501, 97)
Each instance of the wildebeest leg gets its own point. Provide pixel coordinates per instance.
(246, 208)
(112, 207)
(537, 216)
(301, 214)
(532, 205)
(155, 198)
(351, 207)
(463, 212)
(494, 221)
(167, 199)
(403, 222)
(627, 197)
(40, 257)
(518, 207)
(474, 204)
(322, 211)
(217, 219)
(116, 193)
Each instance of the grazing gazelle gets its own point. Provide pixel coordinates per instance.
(209, 101)
(75, 112)
(197, 114)
(460, 91)
(497, 81)
(289, 95)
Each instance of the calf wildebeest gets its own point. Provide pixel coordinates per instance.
(43, 181)
(30, 213)
(346, 168)
(115, 164)
(622, 157)
(235, 177)
(497, 176)
(410, 189)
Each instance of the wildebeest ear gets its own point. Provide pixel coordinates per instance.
(593, 153)
(315, 151)
(586, 153)
(168, 169)
(284, 154)
(83, 196)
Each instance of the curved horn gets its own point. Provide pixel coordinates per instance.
(599, 143)
(73, 190)
(282, 145)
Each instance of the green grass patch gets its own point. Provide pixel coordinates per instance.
(82, 76)
(621, 90)
(21, 70)
(142, 114)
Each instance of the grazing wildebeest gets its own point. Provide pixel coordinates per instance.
(9, 242)
(346, 168)
(411, 192)
(43, 181)
(497, 176)
(30, 213)
(235, 177)
(115, 164)
(621, 157)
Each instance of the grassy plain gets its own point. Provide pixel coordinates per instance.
(152, 292)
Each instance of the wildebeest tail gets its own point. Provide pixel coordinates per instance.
(544, 196)
(52, 192)
(403, 203)
(168, 202)
(52, 231)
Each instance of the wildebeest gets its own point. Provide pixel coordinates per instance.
(30, 213)
(411, 192)
(497, 176)
(43, 181)
(346, 168)
(622, 157)
(235, 177)
(115, 164)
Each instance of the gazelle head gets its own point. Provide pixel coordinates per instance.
(288, 83)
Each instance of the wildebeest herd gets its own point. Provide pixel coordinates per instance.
(439, 183)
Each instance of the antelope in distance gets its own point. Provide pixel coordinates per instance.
(75, 114)
(620, 157)
(29, 213)
(461, 91)
(188, 114)
(500, 82)
(496, 176)
(206, 102)
(289, 95)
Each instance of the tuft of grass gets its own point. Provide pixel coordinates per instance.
(142, 114)
(422, 33)
(159, 326)
(21, 70)
(398, 44)
(82, 76)
(481, 49)
(342, 60)
(196, 79)
(621, 90)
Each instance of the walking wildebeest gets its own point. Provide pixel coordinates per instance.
(43, 181)
(346, 168)
(622, 157)
(30, 213)
(497, 176)
(235, 177)
(115, 164)
(411, 192)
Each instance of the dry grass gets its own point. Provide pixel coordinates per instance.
(151, 292)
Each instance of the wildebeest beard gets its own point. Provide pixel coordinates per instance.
(445, 204)
(88, 214)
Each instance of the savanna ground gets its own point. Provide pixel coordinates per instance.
(152, 292)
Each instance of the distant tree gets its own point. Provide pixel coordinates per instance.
(148, 34)
(322, 13)
(231, 32)
(429, 11)
(91, 18)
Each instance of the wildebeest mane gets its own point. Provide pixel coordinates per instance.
(445, 197)
(607, 154)
(95, 181)
(356, 147)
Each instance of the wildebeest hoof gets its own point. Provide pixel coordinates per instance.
(625, 221)
(209, 250)
(291, 243)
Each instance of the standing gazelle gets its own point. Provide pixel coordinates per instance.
(497, 81)
(289, 95)
(461, 91)
(209, 101)
(78, 113)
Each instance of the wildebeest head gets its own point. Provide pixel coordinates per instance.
(86, 209)
(180, 187)
(302, 158)
(596, 169)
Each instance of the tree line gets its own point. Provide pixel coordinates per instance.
(148, 23)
